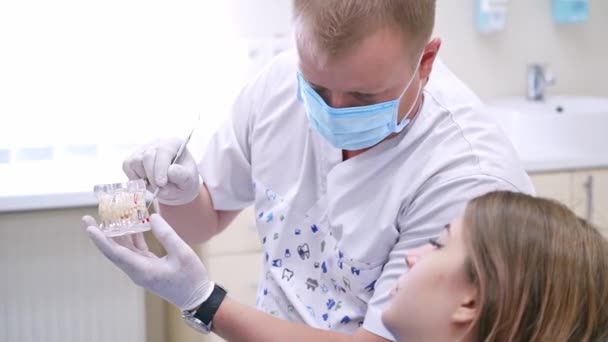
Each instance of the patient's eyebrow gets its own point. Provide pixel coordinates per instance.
(447, 227)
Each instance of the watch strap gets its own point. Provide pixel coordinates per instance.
(206, 311)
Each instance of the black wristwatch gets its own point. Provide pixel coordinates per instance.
(201, 317)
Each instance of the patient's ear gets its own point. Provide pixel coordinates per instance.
(467, 310)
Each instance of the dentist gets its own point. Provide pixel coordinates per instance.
(354, 147)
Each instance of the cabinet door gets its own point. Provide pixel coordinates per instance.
(239, 237)
(239, 274)
(590, 197)
(557, 186)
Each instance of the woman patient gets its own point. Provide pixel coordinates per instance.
(514, 268)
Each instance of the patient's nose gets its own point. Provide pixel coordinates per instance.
(412, 256)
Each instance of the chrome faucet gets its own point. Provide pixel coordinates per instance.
(538, 80)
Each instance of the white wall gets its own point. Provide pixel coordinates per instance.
(260, 18)
(57, 287)
(495, 65)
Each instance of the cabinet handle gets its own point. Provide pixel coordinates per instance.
(588, 185)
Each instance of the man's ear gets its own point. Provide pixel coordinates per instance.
(467, 310)
(431, 50)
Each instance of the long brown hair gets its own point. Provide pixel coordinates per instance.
(541, 272)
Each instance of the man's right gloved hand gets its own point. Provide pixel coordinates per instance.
(179, 183)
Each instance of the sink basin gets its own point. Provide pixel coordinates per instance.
(556, 105)
(559, 128)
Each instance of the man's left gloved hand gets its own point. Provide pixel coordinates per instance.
(179, 277)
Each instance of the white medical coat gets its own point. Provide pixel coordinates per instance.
(335, 232)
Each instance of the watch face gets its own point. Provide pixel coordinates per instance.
(196, 324)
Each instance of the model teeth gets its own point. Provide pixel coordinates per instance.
(121, 208)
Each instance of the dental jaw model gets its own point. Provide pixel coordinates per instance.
(122, 208)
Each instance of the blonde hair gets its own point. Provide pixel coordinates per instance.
(336, 26)
(541, 271)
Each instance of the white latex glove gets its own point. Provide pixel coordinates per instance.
(179, 183)
(179, 277)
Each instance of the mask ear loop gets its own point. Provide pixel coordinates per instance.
(399, 127)
(299, 89)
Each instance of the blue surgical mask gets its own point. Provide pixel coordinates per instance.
(353, 128)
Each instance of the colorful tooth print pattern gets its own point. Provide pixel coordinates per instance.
(307, 278)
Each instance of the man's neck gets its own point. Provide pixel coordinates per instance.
(346, 154)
